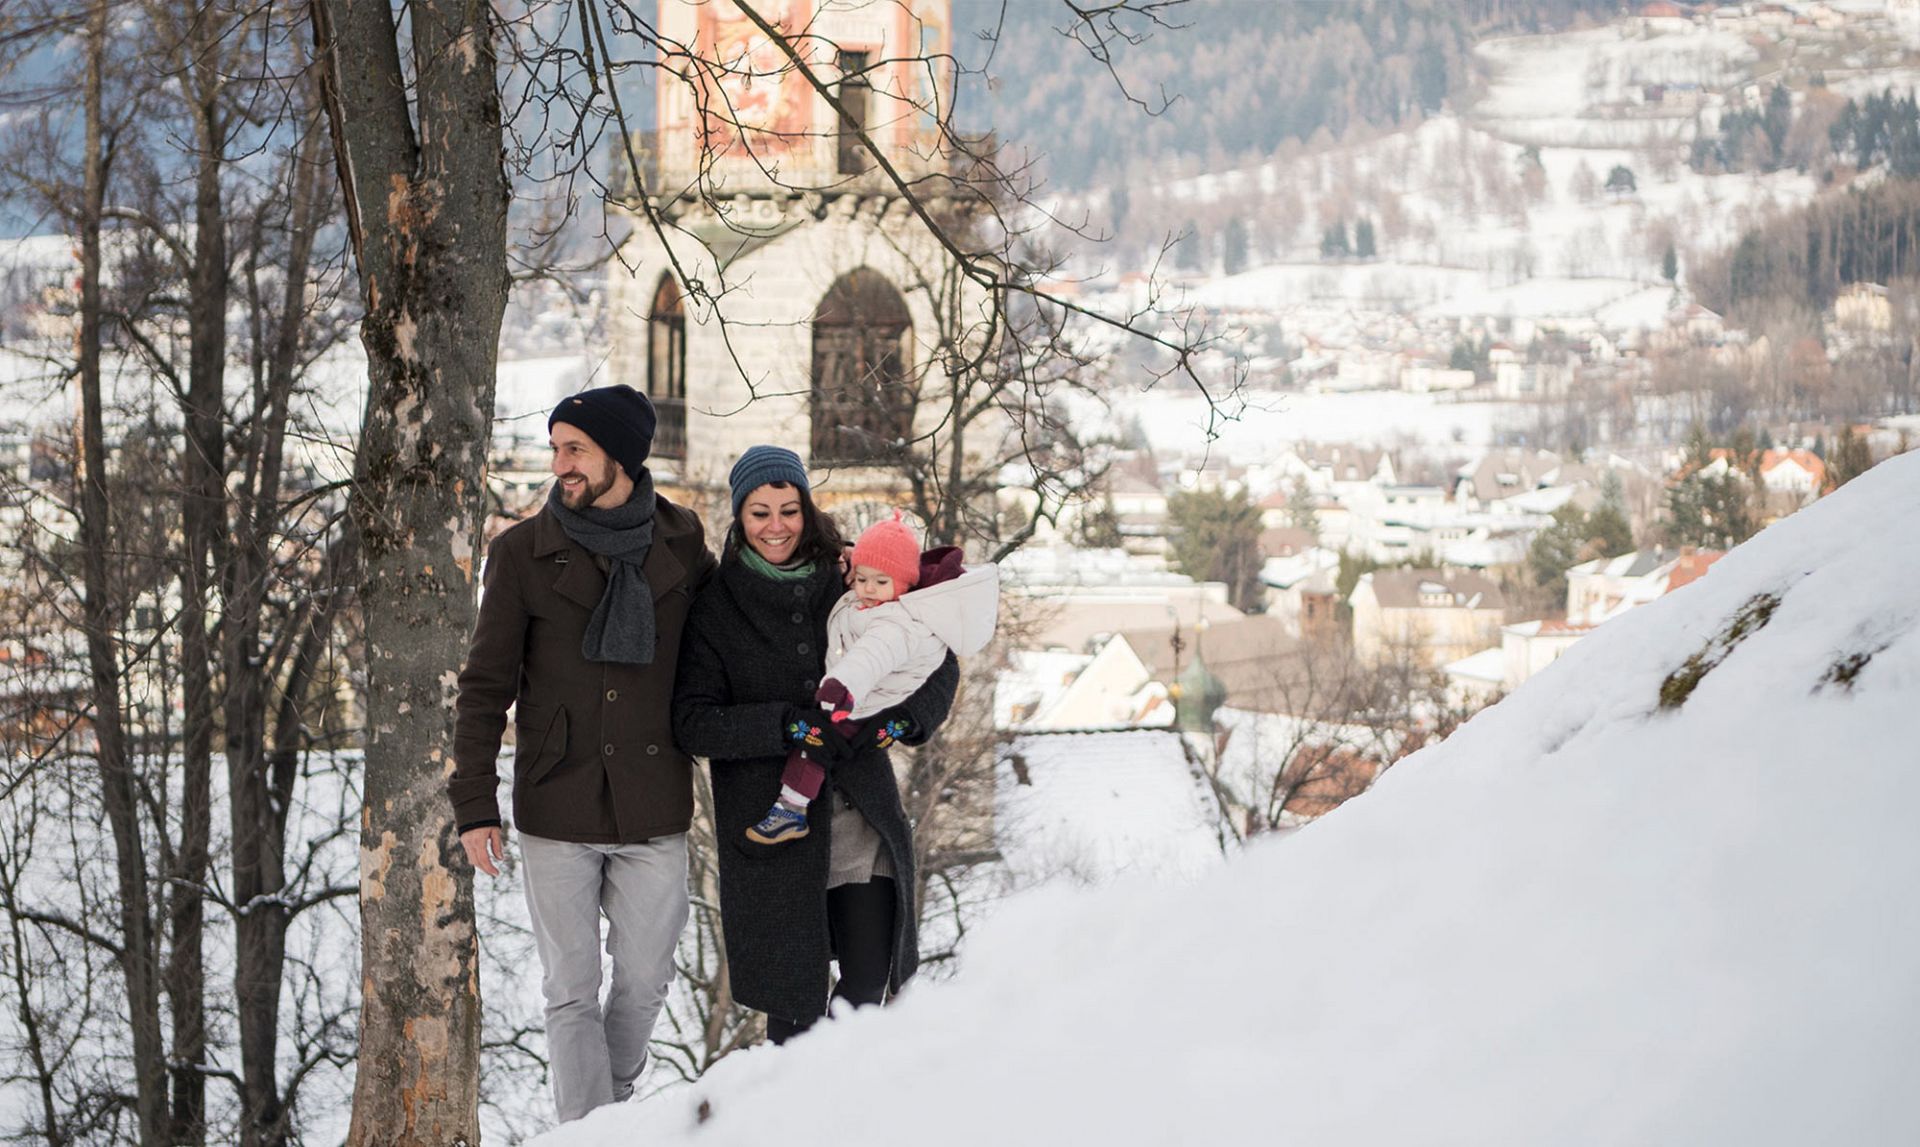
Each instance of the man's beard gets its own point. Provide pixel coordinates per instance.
(590, 491)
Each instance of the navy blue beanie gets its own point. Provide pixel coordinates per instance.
(619, 419)
(761, 465)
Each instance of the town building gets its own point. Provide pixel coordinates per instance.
(1427, 616)
(769, 199)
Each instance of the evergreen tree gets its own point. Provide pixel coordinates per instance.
(1670, 265)
(1352, 565)
(1609, 534)
(1301, 513)
(1333, 241)
(1712, 513)
(1575, 537)
(1233, 247)
(1186, 248)
(1775, 122)
(1098, 527)
(1363, 239)
(1216, 537)
(1620, 181)
(1430, 77)
(1852, 457)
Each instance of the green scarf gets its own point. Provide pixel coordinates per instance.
(768, 570)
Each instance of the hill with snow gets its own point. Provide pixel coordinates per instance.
(1663, 894)
(1499, 210)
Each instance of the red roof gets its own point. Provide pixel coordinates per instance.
(1691, 567)
(1806, 459)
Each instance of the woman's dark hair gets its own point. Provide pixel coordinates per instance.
(820, 539)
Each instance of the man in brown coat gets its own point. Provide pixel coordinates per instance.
(579, 631)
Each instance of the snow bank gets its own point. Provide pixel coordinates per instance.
(1585, 918)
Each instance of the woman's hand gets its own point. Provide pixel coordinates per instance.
(888, 726)
(812, 732)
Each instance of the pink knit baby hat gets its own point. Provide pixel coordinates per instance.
(891, 548)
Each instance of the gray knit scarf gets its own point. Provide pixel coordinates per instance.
(621, 628)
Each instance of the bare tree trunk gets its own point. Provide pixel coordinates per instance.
(261, 785)
(202, 521)
(428, 219)
(118, 790)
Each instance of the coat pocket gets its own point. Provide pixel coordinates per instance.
(542, 742)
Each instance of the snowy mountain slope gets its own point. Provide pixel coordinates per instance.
(1626, 905)
(1459, 221)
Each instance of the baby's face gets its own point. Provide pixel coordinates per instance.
(872, 587)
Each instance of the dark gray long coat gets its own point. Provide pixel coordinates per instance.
(595, 760)
(753, 648)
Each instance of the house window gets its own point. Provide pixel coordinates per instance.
(862, 398)
(854, 93)
(667, 368)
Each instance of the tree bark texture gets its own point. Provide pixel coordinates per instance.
(427, 212)
(119, 793)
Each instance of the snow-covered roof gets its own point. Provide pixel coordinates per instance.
(1287, 572)
(1090, 807)
(1489, 665)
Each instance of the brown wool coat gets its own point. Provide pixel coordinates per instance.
(594, 758)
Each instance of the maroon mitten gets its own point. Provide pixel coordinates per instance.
(833, 696)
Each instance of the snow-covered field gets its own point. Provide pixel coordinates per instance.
(1584, 918)
(1552, 89)
(1176, 424)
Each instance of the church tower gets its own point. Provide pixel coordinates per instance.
(826, 321)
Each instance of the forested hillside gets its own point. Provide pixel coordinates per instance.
(1235, 79)
(1805, 257)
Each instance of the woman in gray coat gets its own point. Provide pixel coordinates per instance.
(744, 695)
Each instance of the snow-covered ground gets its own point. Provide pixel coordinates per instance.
(1587, 917)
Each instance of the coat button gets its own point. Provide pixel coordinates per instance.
(607, 751)
(802, 647)
(799, 591)
(798, 618)
(653, 750)
(613, 694)
(809, 685)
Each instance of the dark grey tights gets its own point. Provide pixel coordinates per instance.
(860, 920)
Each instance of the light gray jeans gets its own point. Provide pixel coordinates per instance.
(596, 1051)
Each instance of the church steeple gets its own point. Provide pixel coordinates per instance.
(1200, 693)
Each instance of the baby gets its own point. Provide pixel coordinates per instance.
(882, 645)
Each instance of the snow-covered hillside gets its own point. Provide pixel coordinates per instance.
(1663, 894)
(1500, 211)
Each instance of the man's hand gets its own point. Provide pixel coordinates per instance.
(486, 846)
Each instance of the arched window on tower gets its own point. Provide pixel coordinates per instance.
(862, 398)
(667, 368)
